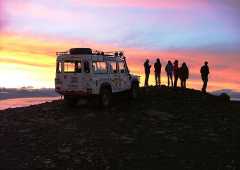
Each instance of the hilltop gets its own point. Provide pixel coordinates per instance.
(163, 129)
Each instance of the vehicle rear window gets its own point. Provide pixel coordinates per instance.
(99, 66)
(72, 67)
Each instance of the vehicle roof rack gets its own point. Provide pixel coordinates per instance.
(109, 53)
(62, 53)
(97, 52)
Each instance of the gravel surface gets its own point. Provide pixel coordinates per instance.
(163, 129)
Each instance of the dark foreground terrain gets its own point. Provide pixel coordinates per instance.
(163, 129)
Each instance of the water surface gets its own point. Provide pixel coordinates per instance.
(22, 102)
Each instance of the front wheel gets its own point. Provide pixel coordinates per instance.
(134, 92)
(70, 100)
(105, 97)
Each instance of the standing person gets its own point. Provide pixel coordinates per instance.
(147, 68)
(204, 74)
(169, 71)
(157, 70)
(183, 74)
(175, 72)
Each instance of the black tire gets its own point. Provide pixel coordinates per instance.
(134, 92)
(105, 97)
(70, 100)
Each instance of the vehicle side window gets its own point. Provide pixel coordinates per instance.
(113, 67)
(99, 67)
(78, 67)
(121, 67)
(86, 67)
(59, 67)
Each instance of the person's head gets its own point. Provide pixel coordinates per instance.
(206, 63)
(184, 64)
(158, 60)
(147, 60)
(176, 62)
(169, 62)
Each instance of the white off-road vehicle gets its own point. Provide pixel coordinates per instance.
(82, 72)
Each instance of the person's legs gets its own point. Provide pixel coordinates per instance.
(168, 77)
(147, 78)
(175, 80)
(185, 83)
(171, 80)
(181, 83)
(205, 81)
(205, 86)
(156, 78)
(160, 79)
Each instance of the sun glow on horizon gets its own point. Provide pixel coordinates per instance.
(31, 32)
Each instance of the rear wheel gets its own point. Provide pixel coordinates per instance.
(105, 97)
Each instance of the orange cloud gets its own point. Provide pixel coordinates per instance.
(33, 59)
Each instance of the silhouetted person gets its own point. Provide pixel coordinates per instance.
(169, 71)
(157, 70)
(147, 68)
(175, 72)
(204, 74)
(183, 74)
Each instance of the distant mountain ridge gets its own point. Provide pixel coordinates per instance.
(232, 93)
(24, 93)
(11, 93)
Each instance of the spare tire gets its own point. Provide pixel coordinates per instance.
(80, 51)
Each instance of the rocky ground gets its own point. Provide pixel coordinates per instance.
(163, 129)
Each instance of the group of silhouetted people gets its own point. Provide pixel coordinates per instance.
(176, 72)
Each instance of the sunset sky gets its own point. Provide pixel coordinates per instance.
(31, 31)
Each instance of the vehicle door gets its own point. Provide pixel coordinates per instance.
(124, 78)
(114, 76)
(99, 73)
(72, 75)
(86, 78)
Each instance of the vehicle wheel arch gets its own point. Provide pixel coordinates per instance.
(105, 86)
(134, 91)
(105, 95)
(134, 82)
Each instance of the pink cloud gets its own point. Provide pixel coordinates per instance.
(173, 4)
(37, 11)
(2, 15)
